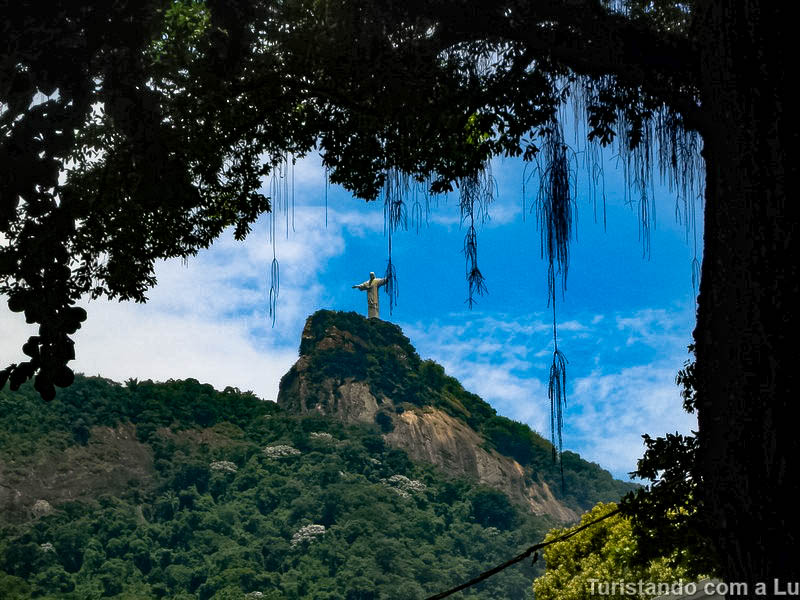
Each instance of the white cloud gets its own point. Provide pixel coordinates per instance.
(208, 319)
(120, 341)
(616, 391)
(490, 356)
(613, 410)
(504, 211)
(444, 211)
(15, 332)
(652, 326)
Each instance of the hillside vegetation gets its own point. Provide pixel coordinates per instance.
(176, 490)
(231, 496)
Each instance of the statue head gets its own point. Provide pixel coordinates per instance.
(371, 275)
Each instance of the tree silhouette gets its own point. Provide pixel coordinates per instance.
(166, 116)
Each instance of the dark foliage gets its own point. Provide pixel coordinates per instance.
(166, 117)
(666, 515)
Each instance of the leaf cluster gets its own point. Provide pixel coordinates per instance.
(606, 552)
(666, 515)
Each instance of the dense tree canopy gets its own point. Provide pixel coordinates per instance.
(604, 553)
(188, 503)
(167, 115)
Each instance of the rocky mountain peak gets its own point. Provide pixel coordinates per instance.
(350, 367)
(362, 370)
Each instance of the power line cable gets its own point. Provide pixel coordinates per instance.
(536, 547)
(532, 550)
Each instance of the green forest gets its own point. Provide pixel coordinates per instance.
(178, 490)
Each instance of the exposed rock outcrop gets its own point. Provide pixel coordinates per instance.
(433, 436)
(345, 397)
(111, 460)
(321, 382)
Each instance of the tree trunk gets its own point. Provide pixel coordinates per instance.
(749, 449)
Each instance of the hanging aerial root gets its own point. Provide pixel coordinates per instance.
(555, 215)
(555, 207)
(281, 192)
(391, 286)
(557, 393)
(477, 192)
(395, 190)
(475, 279)
(274, 288)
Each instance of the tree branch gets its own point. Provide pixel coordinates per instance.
(585, 38)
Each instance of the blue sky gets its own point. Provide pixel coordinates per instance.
(624, 322)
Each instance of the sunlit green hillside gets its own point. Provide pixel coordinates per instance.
(176, 490)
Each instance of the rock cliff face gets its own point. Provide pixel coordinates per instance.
(351, 376)
(434, 436)
(112, 460)
(346, 399)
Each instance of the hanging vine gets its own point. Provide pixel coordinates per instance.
(395, 188)
(476, 194)
(282, 200)
(555, 214)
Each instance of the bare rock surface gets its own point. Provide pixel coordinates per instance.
(107, 464)
(426, 433)
(434, 436)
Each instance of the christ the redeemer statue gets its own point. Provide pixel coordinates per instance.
(371, 287)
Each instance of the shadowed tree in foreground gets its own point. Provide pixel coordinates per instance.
(170, 114)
